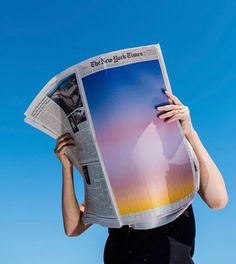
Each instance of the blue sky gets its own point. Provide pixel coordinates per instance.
(40, 39)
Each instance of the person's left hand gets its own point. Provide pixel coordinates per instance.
(176, 111)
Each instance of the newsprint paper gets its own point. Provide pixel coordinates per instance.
(137, 169)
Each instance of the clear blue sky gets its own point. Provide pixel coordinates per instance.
(41, 38)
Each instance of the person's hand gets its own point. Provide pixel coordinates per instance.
(176, 111)
(63, 142)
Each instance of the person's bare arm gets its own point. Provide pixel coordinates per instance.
(212, 187)
(71, 211)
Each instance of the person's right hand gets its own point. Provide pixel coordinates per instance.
(63, 142)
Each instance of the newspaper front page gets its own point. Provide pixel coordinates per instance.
(137, 170)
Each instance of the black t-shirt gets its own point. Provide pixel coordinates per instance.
(172, 243)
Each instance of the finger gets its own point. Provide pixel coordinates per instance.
(169, 107)
(173, 98)
(64, 136)
(170, 113)
(174, 118)
(68, 140)
(59, 150)
(82, 207)
(61, 145)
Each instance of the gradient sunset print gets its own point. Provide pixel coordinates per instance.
(145, 159)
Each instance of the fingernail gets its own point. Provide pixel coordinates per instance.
(163, 90)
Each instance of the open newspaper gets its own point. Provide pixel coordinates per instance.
(137, 169)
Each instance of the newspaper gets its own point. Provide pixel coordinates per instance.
(137, 169)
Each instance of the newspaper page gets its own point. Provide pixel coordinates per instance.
(59, 109)
(137, 170)
(149, 167)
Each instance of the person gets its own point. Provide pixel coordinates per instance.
(171, 243)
